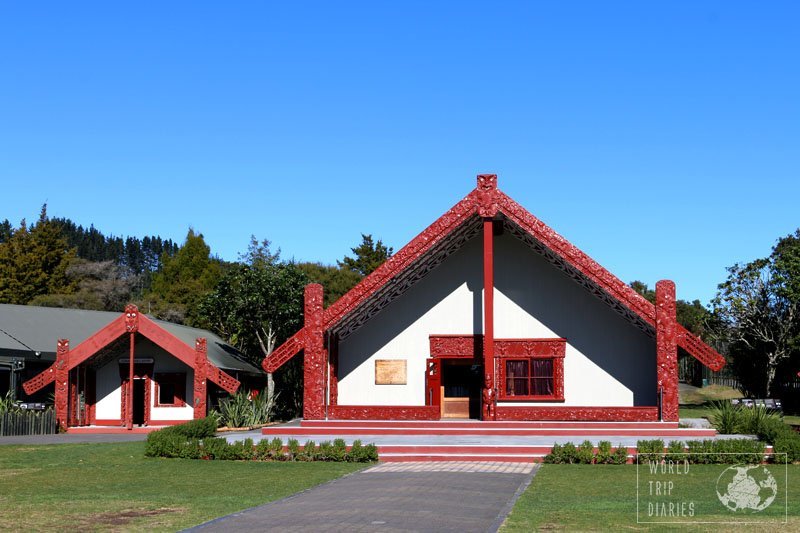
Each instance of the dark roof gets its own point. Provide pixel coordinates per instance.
(27, 329)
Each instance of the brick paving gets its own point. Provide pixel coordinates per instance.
(454, 466)
(462, 497)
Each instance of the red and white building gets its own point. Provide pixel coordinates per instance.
(489, 313)
(122, 370)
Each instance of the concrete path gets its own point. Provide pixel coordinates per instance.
(460, 497)
(73, 438)
(460, 440)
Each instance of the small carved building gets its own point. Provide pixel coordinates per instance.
(489, 313)
(120, 369)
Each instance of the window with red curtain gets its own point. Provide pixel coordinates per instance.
(529, 377)
(531, 369)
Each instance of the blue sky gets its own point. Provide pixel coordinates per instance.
(661, 138)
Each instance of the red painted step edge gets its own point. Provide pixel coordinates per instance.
(480, 425)
(667, 432)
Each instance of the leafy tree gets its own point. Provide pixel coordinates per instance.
(101, 286)
(34, 261)
(184, 279)
(369, 255)
(256, 306)
(259, 253)
(691, 315)
(336, 281)
(758, 307)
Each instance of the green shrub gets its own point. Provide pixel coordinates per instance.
(650, 450)
(700, 451)
(726, 417)
(193, 429)
(722, 451)
(293, 449)
(239, 451)
(172, 443)
(325, 451)
(356, 452)
(246, 409)
(370, 453)
(339, 450)
(620, 456)
(788, 444)
(191, 449)
(774, 428)
(215, 448)
(556, 455)
(675, 451)
(603, 456)
(309, 451)
(569, 453)
(163, 443)
(585, 453)
(276, 452)
(753, 420)
(263, 450)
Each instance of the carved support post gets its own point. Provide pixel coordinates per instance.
(667, 349)
(487, 208)
(62, 382)
(200, 363)
(131, 326)
(314, 367)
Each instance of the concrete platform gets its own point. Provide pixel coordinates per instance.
(465, 440)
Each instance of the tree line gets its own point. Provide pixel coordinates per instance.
(255, 303)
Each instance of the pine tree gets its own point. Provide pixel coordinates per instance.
(34, 262)
(369, 255)
(184, 278)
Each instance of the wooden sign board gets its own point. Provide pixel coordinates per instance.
(390, 372)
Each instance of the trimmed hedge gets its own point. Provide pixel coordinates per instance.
(196, 440)
(568, 453)
(720, 451)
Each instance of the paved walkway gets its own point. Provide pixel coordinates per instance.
(462, 497)
(72, 438)
(460, 440)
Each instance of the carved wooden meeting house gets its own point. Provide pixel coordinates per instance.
(125, 369)
(489, 313)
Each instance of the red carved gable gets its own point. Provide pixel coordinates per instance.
(486, 200)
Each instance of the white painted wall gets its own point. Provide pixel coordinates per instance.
(109, 393)
(608, 361)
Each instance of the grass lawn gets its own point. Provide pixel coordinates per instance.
(113, 486)
(704, 411)
(708, 394)
(603, 498)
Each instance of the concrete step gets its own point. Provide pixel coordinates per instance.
(334, 431)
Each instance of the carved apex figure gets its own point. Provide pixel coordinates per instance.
(62, 347)
(131, 318)
(487, 195)
(489, 398)
(201, 345)
(487, 182)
